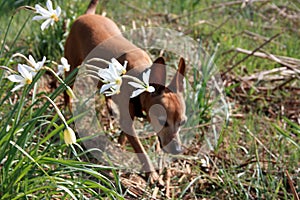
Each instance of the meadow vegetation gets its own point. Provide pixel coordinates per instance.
(256, 49)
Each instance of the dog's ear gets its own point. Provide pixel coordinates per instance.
(158, 72)
(176, 84)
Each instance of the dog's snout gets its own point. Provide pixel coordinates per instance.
(173, 147)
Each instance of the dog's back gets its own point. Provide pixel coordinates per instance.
(91, 30)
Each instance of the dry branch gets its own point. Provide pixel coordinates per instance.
(291, 63)
(248, 55)
(290, 181)
(220, 5)
(256, 36)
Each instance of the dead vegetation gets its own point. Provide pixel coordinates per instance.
(273, 94)
(270, 95)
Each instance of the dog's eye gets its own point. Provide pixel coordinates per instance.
(182, 122)
(162, 121)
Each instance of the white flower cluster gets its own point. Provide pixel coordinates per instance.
(26, 73)
(112, 79)
(49, 15)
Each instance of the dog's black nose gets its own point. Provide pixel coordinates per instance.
(175, 147)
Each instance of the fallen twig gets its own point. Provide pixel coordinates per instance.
(290, 63)
(168, 180)
(224, 4)
(248, 55)
(290, 181)
(267, 75)
(256, 36)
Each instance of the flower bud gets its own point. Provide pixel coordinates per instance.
(70, 93)
(69, 136)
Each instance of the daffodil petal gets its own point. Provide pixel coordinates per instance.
(137, 92)
(64, 61)
(65, 64)
(125, 64)
(24, 72)
(114, 71)
(109, 93)
(146, 76)
(46, 24)
(136, 85)
(60, 70)
(17, 87)
(116, 63)
(118, 66)
(28, 68)
(32, 61)
(15, 78)
(49, 5)
(58, 11)
(150, 89)
(42, 11)
(37, 18)
(41, 63)
(106, 87)
(105, 75)
(116, 87)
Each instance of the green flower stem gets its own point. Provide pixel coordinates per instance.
(93, 76)
(22, 56)
(69, 90)
(92, 67)
(20, 106)
(8, 69)
(57, 111)
(33, 97)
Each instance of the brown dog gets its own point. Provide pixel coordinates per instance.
(165, 108)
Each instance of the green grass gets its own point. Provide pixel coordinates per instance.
(258, 153)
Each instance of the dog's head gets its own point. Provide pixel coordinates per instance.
(166, 107)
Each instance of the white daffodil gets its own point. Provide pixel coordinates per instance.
(111, 79)
(120, 69)
(36, 66)
(69, 136)
(142, 87)
(64, 67)
(49, 15)
(24, 79)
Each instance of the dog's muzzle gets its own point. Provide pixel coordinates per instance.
(173, 147)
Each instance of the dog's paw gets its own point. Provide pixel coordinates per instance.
(155, 178)
(122, 139)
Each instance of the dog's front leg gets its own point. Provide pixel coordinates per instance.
(127, 115)
(147, 166)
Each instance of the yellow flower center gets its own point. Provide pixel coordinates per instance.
(147, 88)
(28, 81)
(119, 81)
(54, 17)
